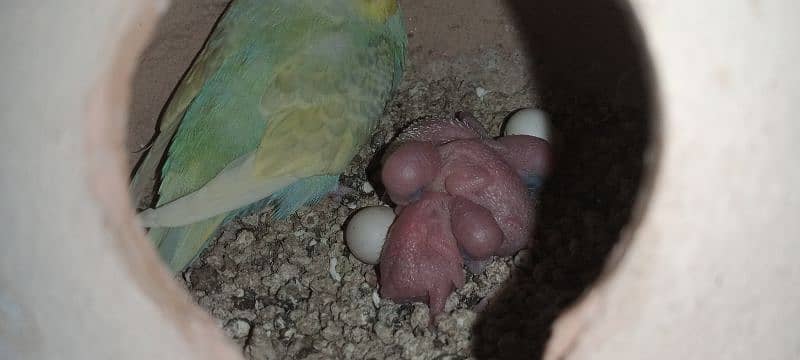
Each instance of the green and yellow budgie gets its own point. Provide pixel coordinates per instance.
(276, 105)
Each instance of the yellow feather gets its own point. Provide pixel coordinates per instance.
(377, 10)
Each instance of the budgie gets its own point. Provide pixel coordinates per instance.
(273, 109)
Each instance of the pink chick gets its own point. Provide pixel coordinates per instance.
(462, 197)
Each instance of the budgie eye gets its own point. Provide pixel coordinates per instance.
(377, 10)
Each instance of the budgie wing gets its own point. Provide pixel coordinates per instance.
(321, 104)
(207, 63)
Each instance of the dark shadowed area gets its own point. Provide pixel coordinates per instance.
(593, 76)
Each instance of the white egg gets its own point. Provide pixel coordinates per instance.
(366, 232)
(532, 122)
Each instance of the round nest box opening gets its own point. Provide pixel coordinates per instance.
(291, 288)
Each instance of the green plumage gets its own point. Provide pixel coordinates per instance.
(281, 98)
